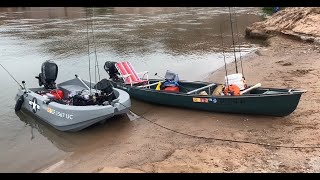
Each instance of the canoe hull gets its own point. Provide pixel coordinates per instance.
(272, 105)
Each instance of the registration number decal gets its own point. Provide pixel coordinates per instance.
(60, 114)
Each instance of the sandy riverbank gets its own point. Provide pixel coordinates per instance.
(139, 146)
(285, 63)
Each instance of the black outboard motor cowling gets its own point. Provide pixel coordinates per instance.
(48, 75)
(111, 69)
(106, 88)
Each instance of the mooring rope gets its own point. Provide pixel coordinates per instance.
(222, 139)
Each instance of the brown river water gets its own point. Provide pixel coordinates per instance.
(184, 40)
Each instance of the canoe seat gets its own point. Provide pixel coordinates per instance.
(129, 75)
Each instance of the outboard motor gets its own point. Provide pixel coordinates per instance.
(111, 69)
(48, 75)
(107, 93)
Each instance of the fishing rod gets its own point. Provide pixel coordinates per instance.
(20, 100)
(23, 87)
(156, 74)
(235, 17)
(224, 58)
(234, 49)
(88, 50)
(95, 49)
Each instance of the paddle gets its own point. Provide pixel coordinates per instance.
(251, 88)
(156, 74)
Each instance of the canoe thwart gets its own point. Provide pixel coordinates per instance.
(204, 87)
(297, 91)
(250, 88)
(148, 85)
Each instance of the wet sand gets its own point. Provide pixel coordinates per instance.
(140, 146)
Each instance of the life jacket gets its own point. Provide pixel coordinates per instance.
(57, 93)
(172, 88)
(232, 90)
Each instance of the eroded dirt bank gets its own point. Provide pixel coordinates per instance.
(298, 22)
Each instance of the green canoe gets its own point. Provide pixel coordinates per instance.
(261, 101)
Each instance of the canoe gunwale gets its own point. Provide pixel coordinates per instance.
(204, 96)
(289, 91)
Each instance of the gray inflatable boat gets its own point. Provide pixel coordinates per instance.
(71, 105)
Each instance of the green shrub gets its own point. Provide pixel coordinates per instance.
(270, 10)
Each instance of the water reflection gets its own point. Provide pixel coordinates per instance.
(71, 141)
(53, 135)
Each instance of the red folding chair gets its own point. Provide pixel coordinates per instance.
(129, 75)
